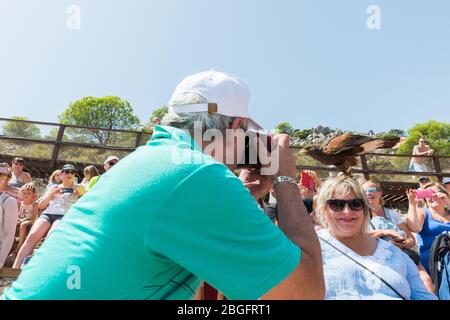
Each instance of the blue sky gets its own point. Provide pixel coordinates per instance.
(311, 62)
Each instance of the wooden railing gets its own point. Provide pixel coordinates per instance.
(438, 171)
(59, 142)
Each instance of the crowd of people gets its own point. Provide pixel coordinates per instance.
(193, 229)
(33, 217)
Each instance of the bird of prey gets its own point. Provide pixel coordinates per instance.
(341, 151)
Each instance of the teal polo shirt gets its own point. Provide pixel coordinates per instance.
(157, 223)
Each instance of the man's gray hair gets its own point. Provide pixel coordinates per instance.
(187, 121)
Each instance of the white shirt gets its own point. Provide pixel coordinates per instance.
(346, 280)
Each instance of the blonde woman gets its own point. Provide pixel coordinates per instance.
(430, 221)
(357, 265)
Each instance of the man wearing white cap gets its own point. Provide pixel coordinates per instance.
(158, 225)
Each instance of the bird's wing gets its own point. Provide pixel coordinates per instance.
(346, 142)
(379, 144)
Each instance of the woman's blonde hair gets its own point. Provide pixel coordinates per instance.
(52, 177)
(340, 185)
(437, 185)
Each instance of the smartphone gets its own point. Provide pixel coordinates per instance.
(263, 144)
(67, 190)
(395, 239)
(307, 181)
(424, 194)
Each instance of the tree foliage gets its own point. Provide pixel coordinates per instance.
(108, 112)
(284, 127)
(392, 134)
(21, 129)
(159, 113)
(436, 133)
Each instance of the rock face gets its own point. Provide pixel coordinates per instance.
(319, 135)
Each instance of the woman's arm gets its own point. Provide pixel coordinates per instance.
(410, 241)
(35, 212)
(10, 215)
(48, 197)
(416, 216)
(418, 289)
(27, 177)
(377, 233)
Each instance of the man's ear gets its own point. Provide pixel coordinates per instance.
(237, 123)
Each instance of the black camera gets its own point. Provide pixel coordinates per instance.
(255, 143)
(67, 190)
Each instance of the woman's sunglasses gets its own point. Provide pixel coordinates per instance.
(70, 171)
(338, 205)
(372, 190)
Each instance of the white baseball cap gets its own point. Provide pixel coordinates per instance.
(110, 158)
(225, 94)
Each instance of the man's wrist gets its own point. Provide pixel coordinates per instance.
(283, 180)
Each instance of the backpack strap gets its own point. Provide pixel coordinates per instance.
(440, 246)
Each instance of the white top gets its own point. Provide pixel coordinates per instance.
(346, 280)
(391, 222)
(393, 216)
(61, 203)
(26, 211)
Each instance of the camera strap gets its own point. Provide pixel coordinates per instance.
(364, 267)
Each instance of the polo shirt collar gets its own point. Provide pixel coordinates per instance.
(174, 134)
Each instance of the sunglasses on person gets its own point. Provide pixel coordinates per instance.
(372, 190)
(70, 172)
(338, 205)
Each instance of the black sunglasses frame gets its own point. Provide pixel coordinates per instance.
(70, 172)
(338, 205)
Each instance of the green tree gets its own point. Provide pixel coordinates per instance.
(284, 127)
(392, 133)
(21, 129)
(108, 112)
(159, 113)
(302, 134)
(436, 133)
